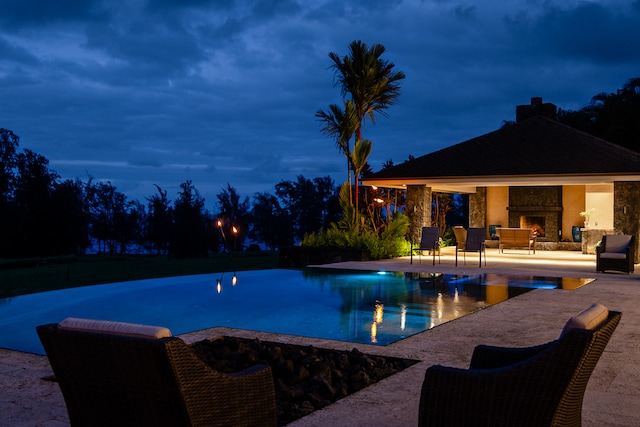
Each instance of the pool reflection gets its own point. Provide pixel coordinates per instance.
(403, 304)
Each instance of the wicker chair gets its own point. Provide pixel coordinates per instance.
(535, 386)
(616, 252)
(115, 379)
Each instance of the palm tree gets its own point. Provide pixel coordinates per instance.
(369, 80)
(361, 152)
(341, 124)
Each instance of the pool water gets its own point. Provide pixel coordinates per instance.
(346, 305)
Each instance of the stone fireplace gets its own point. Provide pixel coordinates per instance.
(539, 208)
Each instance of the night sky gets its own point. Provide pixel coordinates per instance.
(157, 92)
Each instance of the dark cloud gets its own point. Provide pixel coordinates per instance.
(143, 93)
(588, 32)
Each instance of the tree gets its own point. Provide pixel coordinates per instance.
(360, 156)
(341, 125)
(159, 222)
(32, 199)
(614, 117)
(307, 202)
(369, 80)
(234, 213)
(441, 205)
(191, 234)
(271, 224)
(69, 219)
(8, 147)
(108, 209)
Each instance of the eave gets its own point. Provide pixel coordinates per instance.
(468, 184)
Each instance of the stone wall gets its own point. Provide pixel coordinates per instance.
(478, 208)
(418, 210)
(626, 211)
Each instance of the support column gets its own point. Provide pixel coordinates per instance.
(478, 208)
(626, 211)
(418, 210)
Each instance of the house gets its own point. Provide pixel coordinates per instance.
(535, 173)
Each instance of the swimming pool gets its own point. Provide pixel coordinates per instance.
(345, 305)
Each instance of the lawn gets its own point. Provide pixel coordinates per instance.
(19, 277)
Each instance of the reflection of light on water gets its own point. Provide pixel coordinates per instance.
(234, 281)
(377, 318)
(403, 316)
(456, 300)
(439, 310)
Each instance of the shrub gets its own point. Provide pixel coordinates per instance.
(387, 242)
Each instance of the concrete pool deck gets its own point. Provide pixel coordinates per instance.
(613, 393)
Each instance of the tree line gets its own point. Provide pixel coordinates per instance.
(42, 215)
(611, 116)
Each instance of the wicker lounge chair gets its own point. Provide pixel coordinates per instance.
(128, 377)
(616, 252)
(535, 386)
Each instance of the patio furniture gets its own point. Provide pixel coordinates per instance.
(121, 374)
(430, 241)
(474, 242)
(616, 252)
(534, 386)
(516, 238)
(461, 236)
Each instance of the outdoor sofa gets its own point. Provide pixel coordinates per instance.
(516, 238)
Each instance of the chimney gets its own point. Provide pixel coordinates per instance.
(537, 108)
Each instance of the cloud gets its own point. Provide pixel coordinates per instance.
(141, 93)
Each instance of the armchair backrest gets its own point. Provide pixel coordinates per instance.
(100, 371)
(461, 236)
(430, 238)
(616, 243)
(578, 351)
(475, 239)
(115, 378)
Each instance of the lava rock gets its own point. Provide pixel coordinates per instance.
(306, 378)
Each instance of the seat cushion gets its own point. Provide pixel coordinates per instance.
(588, 319)
(120, 328)
(613, 255)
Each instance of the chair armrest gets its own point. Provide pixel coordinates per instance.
(490, 357)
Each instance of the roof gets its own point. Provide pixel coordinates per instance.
(532, 151)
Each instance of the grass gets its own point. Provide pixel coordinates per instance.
(18, 277)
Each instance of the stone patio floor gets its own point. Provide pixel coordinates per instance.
(613, 393)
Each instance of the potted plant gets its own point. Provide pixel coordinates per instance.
(586, 215)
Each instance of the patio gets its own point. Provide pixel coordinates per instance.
(612, 397)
